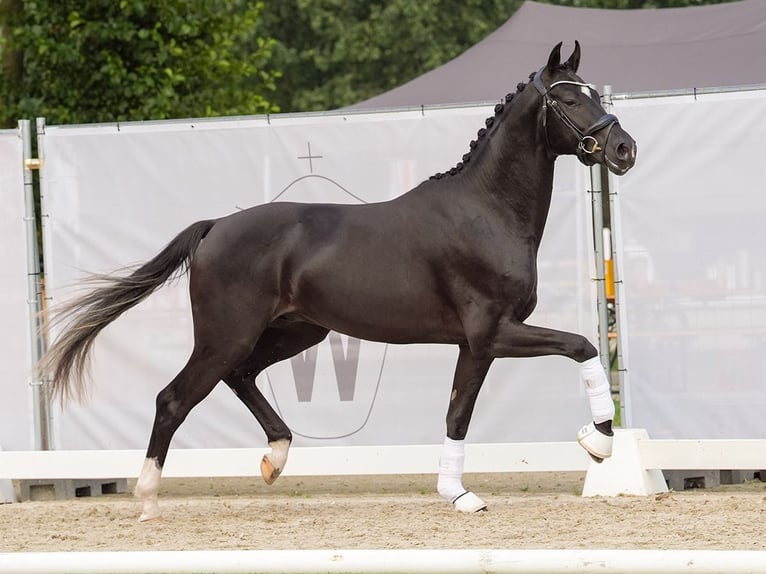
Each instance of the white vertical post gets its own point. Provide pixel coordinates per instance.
(598, 244)
(34, 291)
(620, 327)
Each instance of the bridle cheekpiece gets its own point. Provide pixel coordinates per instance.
(588, 145)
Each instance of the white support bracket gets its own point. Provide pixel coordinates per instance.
(624, 472)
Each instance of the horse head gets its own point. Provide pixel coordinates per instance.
(573, 119)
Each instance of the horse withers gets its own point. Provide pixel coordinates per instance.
(271, 281)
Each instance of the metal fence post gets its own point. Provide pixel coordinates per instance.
(34, 292)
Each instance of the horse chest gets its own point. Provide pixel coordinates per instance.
(503, 283)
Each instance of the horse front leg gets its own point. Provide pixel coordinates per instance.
(469, 376)
(516, 339)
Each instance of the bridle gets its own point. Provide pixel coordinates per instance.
(588, 145)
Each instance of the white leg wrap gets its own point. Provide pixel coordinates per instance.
(450, 483)
(598, 389)
(147, 487)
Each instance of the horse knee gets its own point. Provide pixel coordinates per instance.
(582, 350)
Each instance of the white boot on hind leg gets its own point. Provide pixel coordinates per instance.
(450, 485)
(597, 437)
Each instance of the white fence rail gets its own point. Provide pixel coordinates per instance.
(719, 454)
(634, 469)
(303, 461)
(391, 561)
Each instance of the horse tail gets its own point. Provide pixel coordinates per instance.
(66, 360)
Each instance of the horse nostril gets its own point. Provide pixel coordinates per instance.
(623, 151)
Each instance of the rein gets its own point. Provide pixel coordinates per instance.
(587, 146)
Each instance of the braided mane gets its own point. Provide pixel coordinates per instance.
(500, 108)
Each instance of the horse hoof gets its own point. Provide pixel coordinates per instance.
(269, 472)
(469, 502)
(596, 443)
(146, 517)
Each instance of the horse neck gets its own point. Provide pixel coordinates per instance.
(514, 171)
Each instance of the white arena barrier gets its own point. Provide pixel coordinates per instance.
(303, 461)
(634, 469)
(689, 264)
(638, 461)
(391, 561)
(16, 413)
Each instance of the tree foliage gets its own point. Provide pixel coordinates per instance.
(94, 61)
(113, 60)
(334, 52)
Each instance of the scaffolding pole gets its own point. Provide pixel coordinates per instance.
(34, 293)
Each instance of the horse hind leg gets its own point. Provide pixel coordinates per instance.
(210, 360)
(274, 345)
(469, 377)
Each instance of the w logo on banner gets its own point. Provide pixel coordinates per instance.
(346, 366)
(328, 391)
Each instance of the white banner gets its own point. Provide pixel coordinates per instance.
(692, 236)
(16, 418)
(115, 195)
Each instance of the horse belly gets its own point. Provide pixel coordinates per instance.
(388, 307)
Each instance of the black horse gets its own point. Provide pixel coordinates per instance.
(452, 261)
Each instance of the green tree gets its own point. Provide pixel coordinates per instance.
(335, 52)
(76, 61)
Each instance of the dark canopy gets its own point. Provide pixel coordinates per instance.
(631, 50)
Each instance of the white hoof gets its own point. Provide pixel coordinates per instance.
(598, 444)
(273, 462)
(147, 487)
(469, 502)
(151, 510)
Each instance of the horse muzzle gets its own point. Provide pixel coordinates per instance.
(605, 142)
(619, 151)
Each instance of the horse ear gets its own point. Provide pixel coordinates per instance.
(574, 60)
(554, 60)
